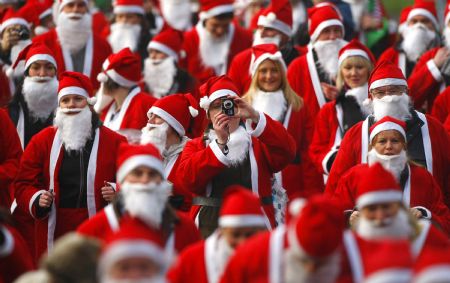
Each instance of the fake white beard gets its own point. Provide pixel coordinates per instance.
(416, 40)
(273, 104)
(75, 130)
(73, 34)
(257, 39)
(446, 34)
(294, 270)
(177, 13)
(124, 35)
(223, 253)
(238, 145)
(360, 94)
(396, 106)
(146, 201)
(393, 163)
(213, 51)
(396, 227)
(327, 54)
(156, 135)
(159, 75)
(153, 279)
(40, 94)
(19, 71)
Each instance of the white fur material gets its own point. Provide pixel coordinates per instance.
(353, 52)
(159, 75)
(124, 35)
(273, 104)
(393, 163)
(327, 55)
(360, 94)
(385, 127)
(386, 82)
(258, 39)
(163, 48)
(166, 116)
(271, 21)
(237, 221)
(396, 227)
(177, 13)
(423, 12)
(416, 40)
(40, 94)
(139, 160)
(396, 106)
(156, 135)
(238, 146)
(70, 90)
(323, 25)
(76, 129)
(74, 34)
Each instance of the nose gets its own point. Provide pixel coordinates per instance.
(42, 72)
(311, 266)
(145, 178)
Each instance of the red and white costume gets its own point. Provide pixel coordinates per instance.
(441, 106)
(433, 265)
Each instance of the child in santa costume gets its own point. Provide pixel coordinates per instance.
(240, 218)
(271, 93)
(64, 169)
(233, 153)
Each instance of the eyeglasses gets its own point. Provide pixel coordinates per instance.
(380, 92)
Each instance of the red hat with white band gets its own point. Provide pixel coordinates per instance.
(75, 83)
(214, 88)
(35, 52)
(388, 123)
(322, 16)
(63, 3)
(278, 15)
(12, 17)
(213, 8)
(426, 9)
(121, 68)
(355, 48)
(262, 52)
(386, 73)
(128, 7)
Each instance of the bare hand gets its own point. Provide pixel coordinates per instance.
(354, 218)
(108, 192)
(441, 56)
(220, 123)
(246, 111)
(370, 22)
(330, 91)
(416, 213)
(46, 199)
(9, 40)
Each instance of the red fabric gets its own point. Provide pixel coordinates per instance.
(189, 264)
(441, 106)
(34, 176)
(125, 63)
(349, 155)
(99, 22)
(177, 186)
(192, 62)
(101, 51)
(5, 90)
(273, 150)
(390, 54)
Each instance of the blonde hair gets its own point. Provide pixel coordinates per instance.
(356, 60)
(291, 96)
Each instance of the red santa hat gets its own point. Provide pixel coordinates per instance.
(322, 16)
(63, 3)
(385, 124)
(403, 19)
(386, 73)
(214, 88)
(390, 262)
(317, 227)
(132, 156)
(12, 17)
(277, 16)
(122, 67)
(178, 110)
(355, 48)
(262, 52)
(426, 9)
(433, 265)
(241, 208)
(377, 186)
(168, 41)
(128, 7)
(213, 8)
(35, 52)
(134, 239)
(75, 83)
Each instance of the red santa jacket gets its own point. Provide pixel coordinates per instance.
(133, 114)
(97, 50)
(106, 222)
(441, 106)
(354, 148)
(271, 149)
(396, 57)
(420, 191)
(10, 154)
(193, 63)
(39, 171)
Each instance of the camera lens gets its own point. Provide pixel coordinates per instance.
(227, 104)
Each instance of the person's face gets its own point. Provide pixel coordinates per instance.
(13, 31)
(157, 55)
(389, 142)
(380, 212)
(380, 92)
(269, 32)
(41, 68)
(354, 74)
(216, 107)
(217, 27)
(156, 120)
(78, 6)
(269, 76)
(73, 101)
(330, 33)
(236, 236)
(423, 20)
(128, 18)
(143, 175)
(134, 268)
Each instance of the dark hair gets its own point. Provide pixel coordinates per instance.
(111, 85)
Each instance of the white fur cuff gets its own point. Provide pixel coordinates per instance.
(259, 127)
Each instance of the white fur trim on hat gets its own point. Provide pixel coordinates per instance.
(351, 53)
(102, 77)
(271, 21)
(218, 10)
(14, 21)
(65, 2)
(206, 101)
(120, 79)
(423, 12)
(237, 221)
(435, 273)
(274, 57)
(72, 90)
(385, 127)
(387, 81)
(37, 57)
(397, 275)
(169, 119)
(163, 48)
(46, 13)
(139, 160)
(193, 111)
(296, 206)
(323, 25)
(447, 18)
(129, 9)
(386, 195)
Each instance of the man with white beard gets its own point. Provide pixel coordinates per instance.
(420, 34)
(162, 75)
(313, 75)
(214, 41)
(144, 194)
(129, 28)
(75, 46)
(65, 168)
(307, 249)
(427, 140)
(239, 219)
